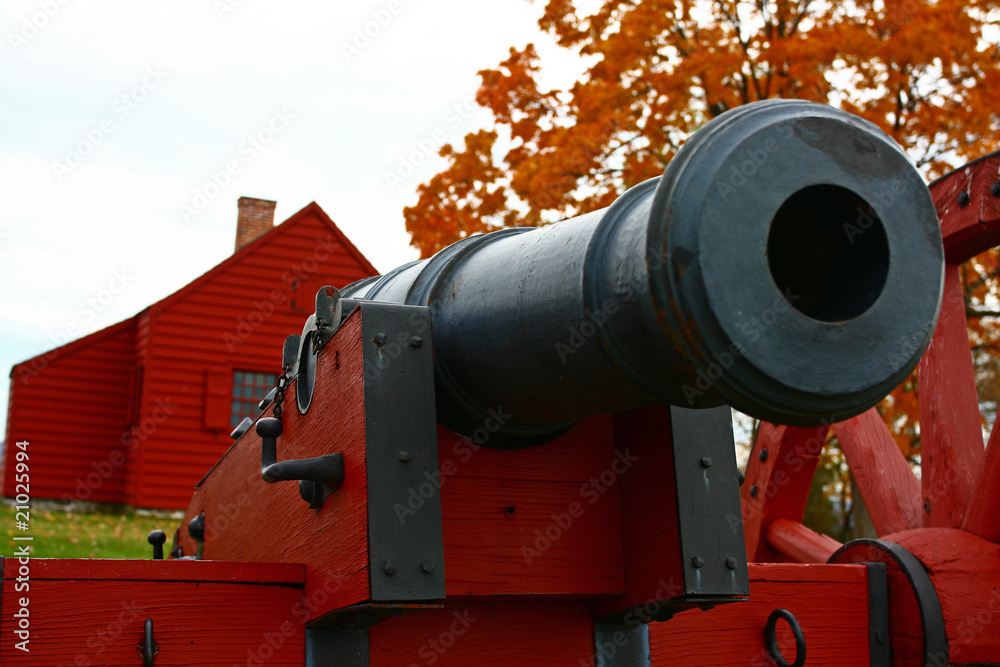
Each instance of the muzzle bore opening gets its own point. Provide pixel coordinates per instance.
(828, 253)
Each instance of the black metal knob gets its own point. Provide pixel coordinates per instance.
(157, 538)
(196, 528)
(269, 427)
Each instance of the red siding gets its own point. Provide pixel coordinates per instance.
(235, 321)
(71, 405)
(138, 388)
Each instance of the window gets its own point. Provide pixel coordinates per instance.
(248, 390)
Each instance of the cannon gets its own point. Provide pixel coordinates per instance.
(788, 263)
(520, 451)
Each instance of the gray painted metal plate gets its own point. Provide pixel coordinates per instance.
(406, 548)
(708, 503)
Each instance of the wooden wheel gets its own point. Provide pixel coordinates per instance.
(950, 518)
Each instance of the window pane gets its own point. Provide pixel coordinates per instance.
(248, 389)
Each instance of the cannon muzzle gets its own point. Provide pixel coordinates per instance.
(788, 263)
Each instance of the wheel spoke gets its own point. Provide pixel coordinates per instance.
(982, 517)
(800, 543)
(951, 441)
(777, 482)
(889, 488)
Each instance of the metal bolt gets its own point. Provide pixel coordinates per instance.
(995, 189)
(740, 476)
(404, 456)
(753, 491)
(964, 199)
(880, 636)
(428, 566)
(380, 339)
(706, 462)
(698, 561)
(389, 568)
(416, 341)
(763, 455)
(731, 563)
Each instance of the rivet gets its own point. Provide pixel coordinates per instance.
(404, 456)
(995, 189)
(753, 491)
(740, 476)
(389, 568)
(380, 339)
(706, 462)
(428, 566)
(880, 636)
(698, 561)
(731, 563)
(964, 199)
(416, 341)
(763, 455)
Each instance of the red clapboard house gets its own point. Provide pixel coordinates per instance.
(138, 412)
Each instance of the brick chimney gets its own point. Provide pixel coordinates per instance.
(256, 217)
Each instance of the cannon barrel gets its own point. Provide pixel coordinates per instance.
(788, 263)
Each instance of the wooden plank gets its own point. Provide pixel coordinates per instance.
(464, 633)
(649, 524)
(777, 484)
(830, 602)
(982, 517)
(100, 623)
(800, 543)
(83, 569)
(890, 489)
(951, 441)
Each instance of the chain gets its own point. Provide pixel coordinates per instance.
(279, 395)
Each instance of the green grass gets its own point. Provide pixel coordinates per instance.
(61, 534)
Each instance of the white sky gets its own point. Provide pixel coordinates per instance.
(113, 115)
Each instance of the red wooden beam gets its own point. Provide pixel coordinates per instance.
(830, 602)
(951, 441)
(965, 571)
(478, 632)
(112, 569)
(800, 543)
(92, 613)
(777, 483)
(975, 227)
(890, 490)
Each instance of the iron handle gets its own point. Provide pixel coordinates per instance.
(771, 640)
(148, 648)
(317, 476)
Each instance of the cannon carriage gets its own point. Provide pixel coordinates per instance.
(520, 451)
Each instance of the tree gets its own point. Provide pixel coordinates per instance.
(923, 70)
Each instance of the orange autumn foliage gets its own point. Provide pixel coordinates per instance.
(925, 71)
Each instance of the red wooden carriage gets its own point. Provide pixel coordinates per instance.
(627, 537)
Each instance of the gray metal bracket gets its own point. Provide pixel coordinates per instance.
(405, 535)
